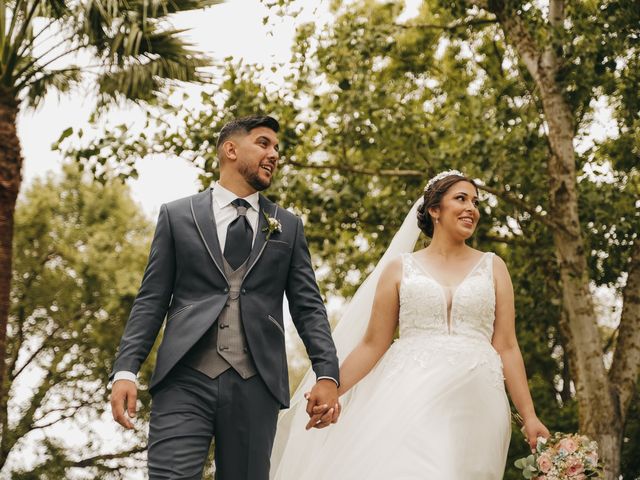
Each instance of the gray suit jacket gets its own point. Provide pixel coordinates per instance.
(184, 282)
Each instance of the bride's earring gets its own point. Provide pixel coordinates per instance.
(437, 220)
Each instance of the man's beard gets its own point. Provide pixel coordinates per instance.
(253, 179)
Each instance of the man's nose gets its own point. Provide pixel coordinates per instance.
(273, 154)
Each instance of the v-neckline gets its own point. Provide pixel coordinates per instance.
(448, 313)
(426, 272)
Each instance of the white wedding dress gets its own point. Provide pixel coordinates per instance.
(434, 407)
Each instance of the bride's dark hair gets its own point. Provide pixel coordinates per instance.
(433, 196)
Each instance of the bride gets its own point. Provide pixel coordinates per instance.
(432, 404)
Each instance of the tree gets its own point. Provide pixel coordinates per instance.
(134, 54)
(502, 90)
(80, 251)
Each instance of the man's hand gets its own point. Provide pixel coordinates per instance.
(124, 395)
(322, 404)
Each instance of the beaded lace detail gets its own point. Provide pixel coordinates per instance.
(429, 331)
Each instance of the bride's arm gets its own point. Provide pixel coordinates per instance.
(506, 344)
(379, 334)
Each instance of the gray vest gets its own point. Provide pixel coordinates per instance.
(224, 345)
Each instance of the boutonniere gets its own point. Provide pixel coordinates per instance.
(273, 225)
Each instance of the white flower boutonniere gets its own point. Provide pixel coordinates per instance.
(273, 225)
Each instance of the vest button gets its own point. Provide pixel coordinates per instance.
(223, 325)
(222, 349)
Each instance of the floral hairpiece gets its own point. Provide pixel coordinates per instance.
(442, 175)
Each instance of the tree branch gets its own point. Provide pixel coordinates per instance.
(45, 344)
(91, 461)
(625, 366)
(52, 422)
(502, 194)
(452, 27)
(360, 171)
(513, 200)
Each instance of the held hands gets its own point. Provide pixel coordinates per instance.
(323, 407)
(532, 429)
(124, 394)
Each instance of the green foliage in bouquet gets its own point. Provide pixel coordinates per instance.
(562, 457)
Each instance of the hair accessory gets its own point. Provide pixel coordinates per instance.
(442, 175)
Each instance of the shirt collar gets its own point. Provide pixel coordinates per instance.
(224, 197)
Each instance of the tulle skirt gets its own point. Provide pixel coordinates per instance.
(433, 408)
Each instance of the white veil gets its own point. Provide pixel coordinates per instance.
(348, 332)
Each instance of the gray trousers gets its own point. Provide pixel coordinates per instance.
(190, 409)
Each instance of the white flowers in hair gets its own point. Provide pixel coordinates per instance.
(442, 175)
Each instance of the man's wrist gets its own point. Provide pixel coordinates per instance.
(329, 378)
(124, 375)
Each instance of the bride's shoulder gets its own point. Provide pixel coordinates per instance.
(393, 270)
(500, 269)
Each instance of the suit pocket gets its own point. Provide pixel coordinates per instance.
(278, 245)
(178, 312)
(275, 322)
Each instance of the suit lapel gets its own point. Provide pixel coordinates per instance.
(202, 211)
(259, 243)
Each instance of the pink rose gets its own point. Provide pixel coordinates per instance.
(574, 467)
(568, 444)
(544, 463)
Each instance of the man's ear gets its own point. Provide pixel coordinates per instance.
(229, 150)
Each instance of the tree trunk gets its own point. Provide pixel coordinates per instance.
(10, 180)
(599, 415)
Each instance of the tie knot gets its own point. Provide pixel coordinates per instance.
(241, 205)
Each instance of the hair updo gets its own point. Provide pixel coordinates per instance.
(432, 198)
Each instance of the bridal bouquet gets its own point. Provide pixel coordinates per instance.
(562, 457)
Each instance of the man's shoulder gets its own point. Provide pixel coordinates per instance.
(185, 202)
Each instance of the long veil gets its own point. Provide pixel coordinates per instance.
(348, 332)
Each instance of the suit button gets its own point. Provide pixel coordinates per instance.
(244, 290)
(245, 349)
(226, 289)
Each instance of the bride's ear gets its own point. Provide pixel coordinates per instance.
(434, 211)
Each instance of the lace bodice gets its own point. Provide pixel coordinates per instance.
(424, 301)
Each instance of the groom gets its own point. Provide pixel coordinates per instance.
(219, 265)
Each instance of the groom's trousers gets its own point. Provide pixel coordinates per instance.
(189, 410)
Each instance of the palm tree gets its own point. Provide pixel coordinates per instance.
(134, 54)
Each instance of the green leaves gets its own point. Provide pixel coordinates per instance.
(528, 466)
(124, 39)
(80, 250)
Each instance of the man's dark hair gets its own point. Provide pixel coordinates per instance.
(245, 125)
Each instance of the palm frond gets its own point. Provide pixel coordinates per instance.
(136, 43)
(162, 8)
(61, 80)
(144, 81)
